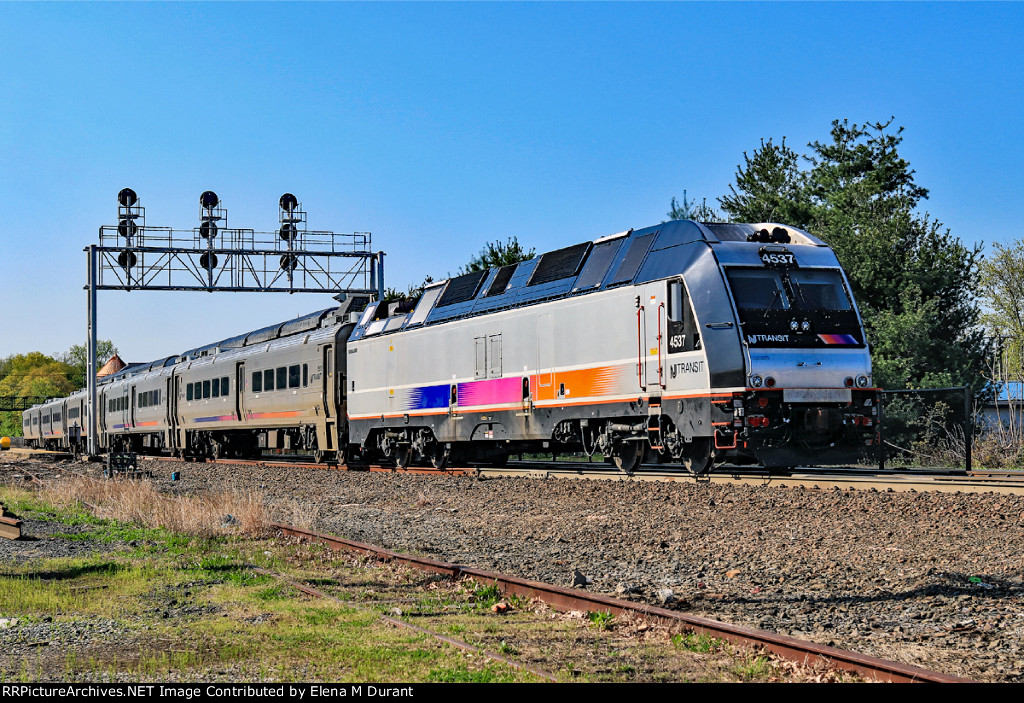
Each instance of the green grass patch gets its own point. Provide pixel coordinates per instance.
(462, 674)
(697, 642)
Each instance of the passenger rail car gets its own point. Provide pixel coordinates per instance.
(683, 343)
(276, 387)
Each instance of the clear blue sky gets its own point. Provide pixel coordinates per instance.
(439, 127)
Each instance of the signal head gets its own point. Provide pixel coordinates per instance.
(288, 202)
(209, 200)
(127, 197)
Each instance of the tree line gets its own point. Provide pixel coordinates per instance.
(39, 375)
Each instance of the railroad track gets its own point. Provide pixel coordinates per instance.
(842, 478)
(567, 599)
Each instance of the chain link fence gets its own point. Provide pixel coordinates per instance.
(930, 428)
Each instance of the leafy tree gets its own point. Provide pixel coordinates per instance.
(914, 282)
(77, 357)
(498, 253)
(1002, 292)
(692, 210)
(32, 374)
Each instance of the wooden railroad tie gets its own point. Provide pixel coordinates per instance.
(10, 527)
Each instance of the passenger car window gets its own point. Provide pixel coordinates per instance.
(282, 378)
(206, 389)
(224, 385)
(305, 375)
(268, 380)
(257, 381)
(216, 388)
(293, 376)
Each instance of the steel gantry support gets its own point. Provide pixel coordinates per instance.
(213, 258)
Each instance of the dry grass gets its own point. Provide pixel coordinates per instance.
(304, 515)
(139, 502)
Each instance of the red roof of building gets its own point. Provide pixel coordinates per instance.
(113, 365)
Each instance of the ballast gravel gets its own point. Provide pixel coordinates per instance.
(930, 579)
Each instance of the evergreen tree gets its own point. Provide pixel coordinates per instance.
(768, 188)
(692, 210)
(498, 253)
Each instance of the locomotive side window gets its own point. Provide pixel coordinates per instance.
(305, 375)
(683, 334)
(257, 381)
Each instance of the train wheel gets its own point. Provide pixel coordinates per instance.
(439, 457)
(403, 456)
(318, 456)
(628, 456)
(699, 456)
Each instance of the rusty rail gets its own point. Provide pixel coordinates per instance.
(9, 527)
(561, 598)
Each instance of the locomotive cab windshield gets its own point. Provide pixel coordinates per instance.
(795, 306)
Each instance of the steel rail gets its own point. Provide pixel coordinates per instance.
(843, 479)
(561, 598)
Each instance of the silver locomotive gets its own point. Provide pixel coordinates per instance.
(686, 343)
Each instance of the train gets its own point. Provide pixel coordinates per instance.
(684, 343)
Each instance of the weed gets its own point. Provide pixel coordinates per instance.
(697, 642)
(486, 596)
(518, 602)
(601, 620)
(754, 668)
(506, 648)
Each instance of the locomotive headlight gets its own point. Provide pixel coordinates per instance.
(794, 325)
(756, 381)
(862, 381)
(805, 326)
